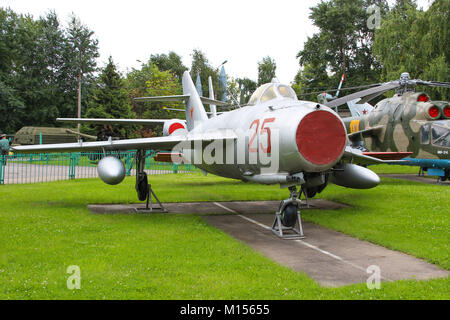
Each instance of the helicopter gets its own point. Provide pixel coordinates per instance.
(408, 126)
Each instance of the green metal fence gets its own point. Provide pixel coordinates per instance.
(33, 168)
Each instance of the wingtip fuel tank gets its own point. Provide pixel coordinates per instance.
(111, 170)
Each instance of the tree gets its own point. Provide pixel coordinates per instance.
(343, 45)
(414, 41)
(38, 71)
(84, 51)
(150, 81)
(266, 70)
(246, 89)
(110, 100)
(200, 66)
(171, 62)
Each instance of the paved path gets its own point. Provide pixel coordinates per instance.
(329, 257)
(415, 178)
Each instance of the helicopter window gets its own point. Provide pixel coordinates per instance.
(257, 94)
(287, 92)
(425, 134)
(269, 94)
(440, 134)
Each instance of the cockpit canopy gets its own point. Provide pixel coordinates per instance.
(271, 91)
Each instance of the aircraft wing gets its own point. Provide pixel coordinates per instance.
(112, 121)
(157, 143)
(357, 157)
(388, 155)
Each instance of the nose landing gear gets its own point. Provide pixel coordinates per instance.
(288, 223)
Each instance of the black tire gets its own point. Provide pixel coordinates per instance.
(289, 215)
(142, 186)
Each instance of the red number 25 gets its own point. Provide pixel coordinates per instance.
(264, 129)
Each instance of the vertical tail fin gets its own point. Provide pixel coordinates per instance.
(195, 111)
(359, 110)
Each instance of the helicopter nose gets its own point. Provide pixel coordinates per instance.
(321, 138)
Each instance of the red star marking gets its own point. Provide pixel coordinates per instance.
(364, 111)
(192, 112)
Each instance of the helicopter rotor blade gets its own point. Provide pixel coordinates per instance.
(432, 83)
(370, 93)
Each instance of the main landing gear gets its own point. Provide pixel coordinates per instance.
(288, 223)
(143, 188)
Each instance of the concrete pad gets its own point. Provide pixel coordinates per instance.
(329, 257)
(213, 208)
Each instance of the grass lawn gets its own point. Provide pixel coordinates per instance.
(44, 228)
(392, 168)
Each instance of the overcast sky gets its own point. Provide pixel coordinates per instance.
(240, 31)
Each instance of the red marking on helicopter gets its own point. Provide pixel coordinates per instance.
(433, 112)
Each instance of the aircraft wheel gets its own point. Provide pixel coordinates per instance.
(142, 186)
(289, 215)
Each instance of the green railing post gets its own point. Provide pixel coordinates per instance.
(72, 160)
(2, 168)
(175, 168)
(128, 163)
(40, 142)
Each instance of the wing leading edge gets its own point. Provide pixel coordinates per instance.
(158, 143)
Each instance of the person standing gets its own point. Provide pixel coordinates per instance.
(4, 146)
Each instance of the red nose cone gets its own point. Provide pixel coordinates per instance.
(320, 137)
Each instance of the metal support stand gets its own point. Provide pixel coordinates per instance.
(306, 196)
(149, 205)
(421, 173)
(296, 231)
(140, 173)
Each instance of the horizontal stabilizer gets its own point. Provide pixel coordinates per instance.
(181, 110)
(183, 98)
(212, 101)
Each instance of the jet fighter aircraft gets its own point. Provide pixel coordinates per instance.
(275, 139)
(409, 125)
